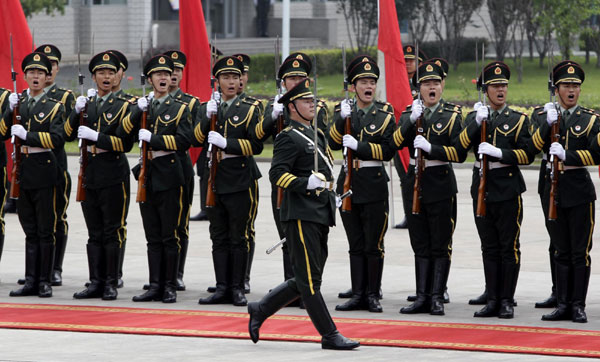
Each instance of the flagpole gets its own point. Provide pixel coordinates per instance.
(285, 30)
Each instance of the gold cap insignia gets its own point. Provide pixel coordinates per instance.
(47, 49)
(229, 61)
(295, 64)
(429, 68)
(408, 49)
(36, 58)
(497, 71)
(106, 57)
(571, 70)
(307, 83)
(367, 66)
(161, 60)
(175, 55)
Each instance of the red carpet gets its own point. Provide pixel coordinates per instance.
(374, 332)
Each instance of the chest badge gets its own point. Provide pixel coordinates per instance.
(578, 128)
(167, 117)
(438, 125)
(505, 127)
(41, 115)
(372, 127)
(109, 115)
(235, 118)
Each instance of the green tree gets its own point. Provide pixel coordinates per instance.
(361, 16)
(31, 7)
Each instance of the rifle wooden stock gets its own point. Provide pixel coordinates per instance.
(143, 175)
(552, 211)
(347, 202)
(15, 187)
(214, 155)
(279, 189)
(83, 159)
(483, 168)
(416, 205)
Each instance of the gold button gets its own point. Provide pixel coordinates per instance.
(172, 161)
(243, 165)
(49, 161)
(510, 174)
(118, 156)
(378, 173)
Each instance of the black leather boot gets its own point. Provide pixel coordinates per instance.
(509, 277)
(357, 276)
(220, 264)
(319, 315)
(403, 224)
(112, 257)
(239, 258)
(46, 266)
(491, 269)
(440, 277)
(30, 284)
(421, 304)
(154, 293)
(94, 288)
(59, 255)
(374, 266)
(277, 298)
(581, 279)
(182, 256)
(346, 294)
(551, 301)
(563, 307)
(288, 271)
(121, 260)
(201, 216)
(249, 267)
(172, 257)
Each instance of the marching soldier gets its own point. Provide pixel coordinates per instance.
(4, 94)
(431, 228)
(307, 212)
(39, 131)
(169, 130)
(295, 69)
(106, 185)
(123, 65)
(571, 232)
(236, 177)
(507, 148)
(371, 141)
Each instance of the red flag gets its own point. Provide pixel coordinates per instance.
(397, 86)
(12, 21)
(194, 43)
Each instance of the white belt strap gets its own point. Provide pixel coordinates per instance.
(27, 150)
(157, 154)
(326, 159)
(562, 167)
(361, 163)
(491, 165)
(96, 150)
(225, 156)
(430, 163)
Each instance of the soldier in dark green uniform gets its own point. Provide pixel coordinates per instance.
(371, 141)
(236, 178)
(67, 98)
(106, 183)
(432, 228)
(294, 70)
(40, 131)
(307, 212)
(4, 93)
(123, 65)
(571, 232)
(507, 148)
(169, 130)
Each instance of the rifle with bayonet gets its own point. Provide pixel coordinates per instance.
(555, 136)
(280, 123)
(419, 159)
(348, 153)
(483, 159)
(143, 175)
(83, 152)
(213, 151)
(15, 176)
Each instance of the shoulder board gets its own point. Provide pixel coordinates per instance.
(64, 90)
(287, 129)
(50, 99)
(517, 112)
(252, 99)
(450, 108)
(587, 110)
(385, 112)
(452, 105)
(407, 110)
(180, 101)
(384, 103)
(337, 106)
(124, 99)
(537, 108)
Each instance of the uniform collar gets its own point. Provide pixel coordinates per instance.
(49, 88)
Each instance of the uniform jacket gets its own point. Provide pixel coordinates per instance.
(67, 98)
(4, 93)
(268, 126)
(193, 104)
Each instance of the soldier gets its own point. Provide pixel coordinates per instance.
(169, 130)
(236, 177)
(571, 232)
(507, 148)
(431, 228)
(106, 185)
(40, 131)
(4, 93)
(371, 141)
(307, 212)
(295, 69)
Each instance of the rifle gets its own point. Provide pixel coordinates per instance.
(143, 175)
(83, 153)
(555, 134)
(213, 152)
(483, 159)
(15, 188)
(348, 153)
(419, 161)
(280, 118)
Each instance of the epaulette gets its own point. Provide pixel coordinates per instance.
(408, 109)
(451, 108)
(588, 110)
(249, 101)
(384, 111)
(180, 101)
(252, 98)
(64, 90)
(124, 99)
(452, 104)
(517, 112)
(50, 99)
(287, 129)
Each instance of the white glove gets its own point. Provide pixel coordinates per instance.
(314, 182)
(350, 142)
(150, 95)
(13, 99)
(416, 110)
(215, 138)
(87, 133)
(216, 96)
(345, 109)
(551, 116)
(477, 105)
(91, 93)
(556, 149)
(19, 131)
(142, 103)
(211, 107)
(144, 135)
(422, 143)
(80, 104)
(482, 113)
(490, 150)
(277, 108)
(338, 201)
(549, 105)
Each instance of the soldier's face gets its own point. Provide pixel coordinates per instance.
(118, 78)
(104, 78)
(160, 82)
(291, 81)
(243, 82)
(496, 94)
(51, 77)
(431, 92)
(176, 77)
(304, 107)
(568, 94)
(365, 89)
(36, 79)
(229, 83)
(411, 66)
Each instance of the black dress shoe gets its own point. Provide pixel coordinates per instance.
(357, 302)
(93, 290)
(169, 296)
(153, 294)
(437, 306)
(27, 290)
(374, 305)
(418, 306)
(109, 293)
(507, 310)
(45, 290)
(180, 285)
(403, 224)
(219, 297)
(561, 313)
(345, 295)
(550, 302)
(578, 314)
(56, 278)
(490, 310)
(335, 340)
(120, 283)
(21, 281)
(201, 216)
